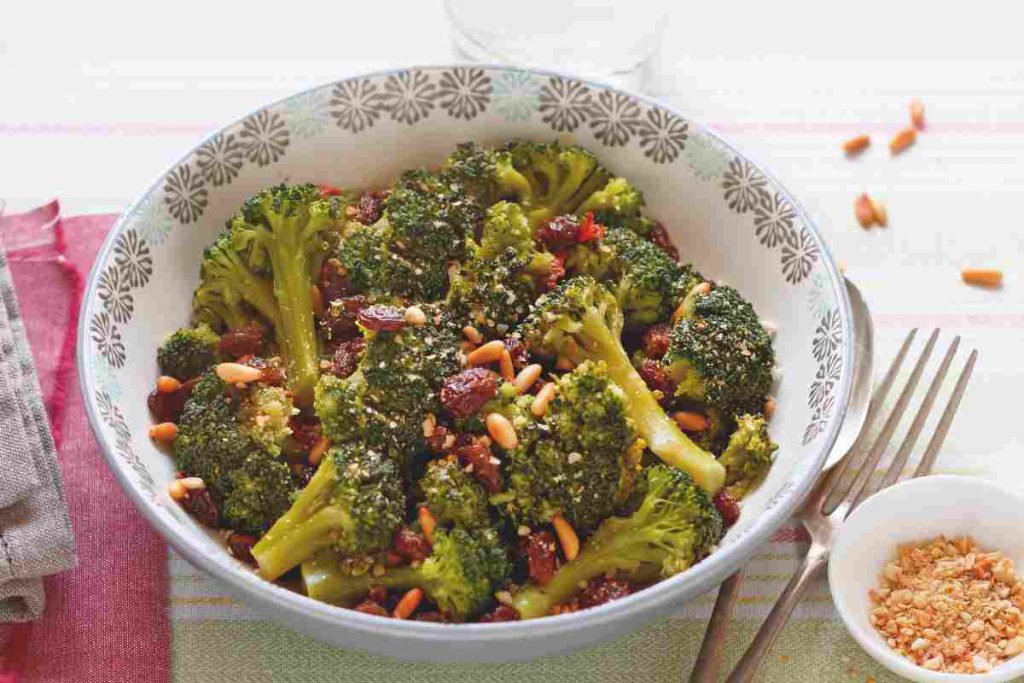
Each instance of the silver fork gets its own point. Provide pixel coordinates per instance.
(822, 518)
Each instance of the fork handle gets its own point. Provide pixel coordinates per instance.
(751, 660)
(709, 659)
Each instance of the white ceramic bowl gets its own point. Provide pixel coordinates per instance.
(725, 212)
(916, 510)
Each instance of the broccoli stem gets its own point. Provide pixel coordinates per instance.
(327, 582)
(660, 432)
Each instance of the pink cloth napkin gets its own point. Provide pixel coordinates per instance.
(105, 620)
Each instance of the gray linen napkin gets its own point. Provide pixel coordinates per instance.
(35, 532)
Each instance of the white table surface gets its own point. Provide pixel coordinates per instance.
(98, 98)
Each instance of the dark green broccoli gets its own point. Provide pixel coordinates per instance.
(720, 354)
(363, 254)
(233, 440)
(618, 204)
(643, 277)
(560, 178)
(229, 291)
(187, 352)
(464, 569)
(674, 526)
(580, 320)
(354, 504)
(452, 495)
(748, 455)
(576, 459)
(487, 174)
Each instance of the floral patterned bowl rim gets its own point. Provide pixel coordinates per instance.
(510, 640)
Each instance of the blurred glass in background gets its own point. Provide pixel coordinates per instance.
(603, 39)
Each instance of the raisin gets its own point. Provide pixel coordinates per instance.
(485, 470)
(411, 545)
(242, 341)
(602, 590)
(560, 233)
(378, 594)
(653, 373)
(540, 554)
(499, 614)
(656, 340)
(371, 607)
(346, 356)
(339, 320)
(167, 407)
(334, 282)
(467, 392)
(438, 441)
(659, 235)
(199, 503)
(517, 349)
(371, 205)
(727, 507)
(381, 318)
(241, 547)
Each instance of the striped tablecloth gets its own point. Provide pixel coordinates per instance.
(92, 120)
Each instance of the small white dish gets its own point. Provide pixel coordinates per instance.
(916, 510)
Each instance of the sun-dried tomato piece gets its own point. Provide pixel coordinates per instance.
(560, 232)
(371, 206)
(541, 556)
(589, 229)
(242, 341)
(728, 507)
(467, 392)
(602, 590)
(346, 356)
(659, 235)
(241, 545)
(656, 340)
(199, 503)
(371, 607)
(167, 407)
(329, 191)
(411, 545)
(653, 373)
(499, 614)
(483, 464)
(382, 318)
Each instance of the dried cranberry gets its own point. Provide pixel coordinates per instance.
(241, 547)
(438, 441)
(656, 340)
(382, 318)
(371, 205)
(467, 392)
(556, 271)
(167, 407)
(371, 607)
(339, 320)
(727, 507)
(346, 356)
(485, 470)
(602, 590)
(653, 373)
(659, 235)
(411, 545)
(242, 341)
(334, 282)
(517, 349)
(199, 503)
(560, 233)
(589, 230)
(499, 614)
(540, 555)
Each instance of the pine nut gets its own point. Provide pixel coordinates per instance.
(176, 490)
(167, 385)
(316, 453)
(567, 537)
(690, 422)
(317, 299)
(473, 334)
(982, 277)
(429, 425)
(193, 483)
(856, 145)
(408, 604)
(863, 211)
(236, 373)
(165, 432)
(917, 113)
(527, 376)
(880, 213)
(769, 407)
(414, 315)
(502, 431)
(427, 522)
(488, 353)
(539, 407)
(508, 371)
(905, 138)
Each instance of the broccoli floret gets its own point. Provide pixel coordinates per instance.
(560, 178)
(674, 526)
(748, 456)
(354, 504)
(643, 277)
(461, 574)
(487, 174)
(578, 459)
(720, 353)
(230, 292)
(580, 320)
(224, 439)
(618, 204)
(363, 254)
(452, 495)
(187, 352)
